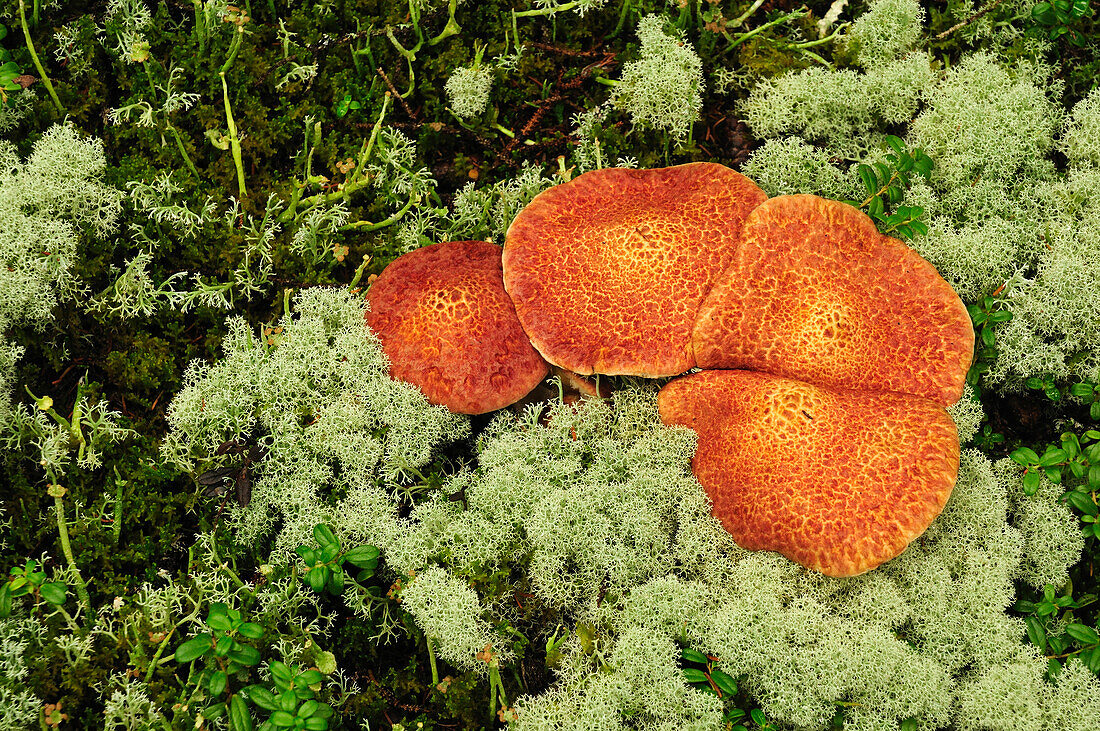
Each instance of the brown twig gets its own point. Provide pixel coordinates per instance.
(968, 21)
(393, 90)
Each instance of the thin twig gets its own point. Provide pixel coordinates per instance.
(393, 89)
(968, 21)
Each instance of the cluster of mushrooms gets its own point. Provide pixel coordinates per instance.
(828, 351)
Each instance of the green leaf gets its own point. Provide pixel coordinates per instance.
(758, 717)
(215, 711)
(724, 681)
(281, 672)
(1094, 411)
(1054, 474)
(324, 535)
(1025, 456)
(282, 719)
(1052, 457)
(308, 708)
(876, 207)
(1094, 476)
(5, 600)
(336, 581)
(223, 645)
(867, 175)
(883, 172)
(895, 143)
(194, 648)
(329, 552)
(251, 630)
(308, 554)
(909, 724)
(1036, 633)
(1031, 483)
(245, 655)
(691, 655)
(1000, 316)
(54, 592)
(240, 718)
(219, 622)
(363, 556)
(262, 697)
(1083, 633)
(317, 577)
(1082, 502)
(694, 675)
(1082, 390)
(216, 684)
(988, 337)
(309, 677)
(316, 724)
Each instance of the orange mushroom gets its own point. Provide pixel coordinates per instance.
(815, 292)
(836, 480)
(448, 327)
(607, 271)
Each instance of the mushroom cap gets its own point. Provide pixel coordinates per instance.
(815, 292)
(607, 271)
(448, 327)
(836, 480)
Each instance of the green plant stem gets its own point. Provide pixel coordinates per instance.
(164, 643)
(735, 42)
(819, 41)
(66, 548)
(431, 659)
(623, 12)
(200, 26)
(234, 141)
(451, 29)
(116, 525)
(37, 63)
(234, 47)
(552, 10)
(736, 22)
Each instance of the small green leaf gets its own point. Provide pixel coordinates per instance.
(309, 677)
(316, 724)
(1083, 633)
(215, 711)
(909, 724)
(324, 535)
(758, 717)
(1082, 502)
(194, 648)
(1052, 456)
(240, 718)
(262, 697)
(223, 645)
(1082, 390)
(694, 675)
(308, 555)
(54, 592)
(1036, 633)
(219, 622)
(317, 577)
(216, 684)
(245, 655)
(282, 719)
(336, 581)
(363, 556)
(867, 175)
(876, 207)
(895, 143)
(1025, 456)
(1031, 483)
(308, 708)
(5, 600)
(695, 656)
(251, 630)
(724, 681)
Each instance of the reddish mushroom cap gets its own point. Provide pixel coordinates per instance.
(607, 271)
(815, 292)
(836, 480)
(448, 327)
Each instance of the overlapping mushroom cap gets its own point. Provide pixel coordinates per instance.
(607, 271)
(448, 327)
(815, 292)
(836, 480)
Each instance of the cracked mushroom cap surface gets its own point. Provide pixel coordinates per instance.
(836, 480)
(448, 327)
(607, 271)
(815, 292)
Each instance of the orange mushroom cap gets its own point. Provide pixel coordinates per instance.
(815, 292)
(448, 327)
(607, 271)
(836, 480)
